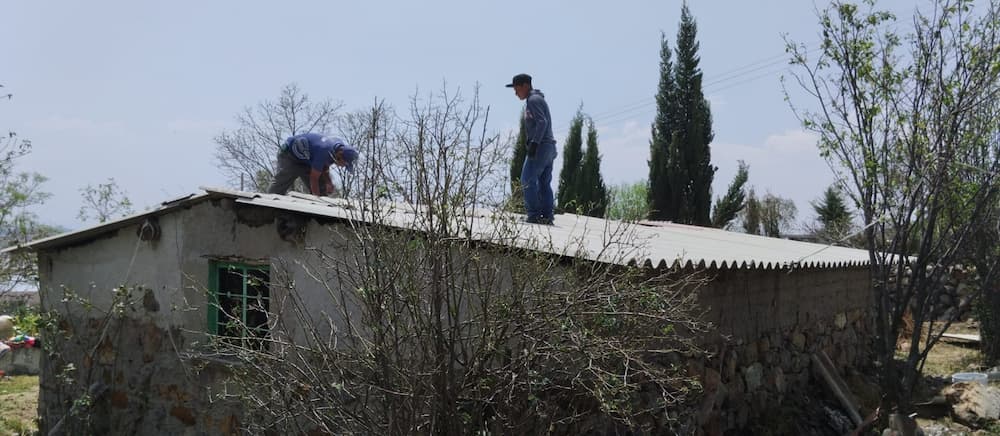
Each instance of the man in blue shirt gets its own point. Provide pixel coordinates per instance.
(536, 174)
(308, 157)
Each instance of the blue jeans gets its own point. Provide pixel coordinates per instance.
(536, 181)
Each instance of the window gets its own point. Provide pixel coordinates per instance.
(239, 302)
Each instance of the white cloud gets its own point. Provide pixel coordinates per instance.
(716, 101)
(792, 141)
(624, 151)
(786, 164)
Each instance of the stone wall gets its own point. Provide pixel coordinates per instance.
(126, 375)
(772, 321)
(21, 361)
(953, 299)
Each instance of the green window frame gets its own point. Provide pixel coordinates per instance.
(239, 302)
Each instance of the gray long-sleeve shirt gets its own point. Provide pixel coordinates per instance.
(537, 121)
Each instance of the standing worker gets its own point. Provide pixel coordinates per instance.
(308, 157)
(536, 174)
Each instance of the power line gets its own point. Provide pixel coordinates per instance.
(717, 83)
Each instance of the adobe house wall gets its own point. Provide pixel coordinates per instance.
(137, 368)
(143, 367)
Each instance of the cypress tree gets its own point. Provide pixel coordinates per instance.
(695, 132)
(681, 187)
(517, 164)
(726, 208)
(572, 156)
(659, 193)
(592, 194)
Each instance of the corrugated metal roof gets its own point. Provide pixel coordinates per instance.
(654, 243)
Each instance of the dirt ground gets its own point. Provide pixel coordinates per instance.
(19, 400)
(948, 357)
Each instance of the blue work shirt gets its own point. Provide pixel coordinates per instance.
(537, 121)
(313, 148)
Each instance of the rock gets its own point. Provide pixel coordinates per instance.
(785, 359)
(770, 359)
(838, 421)
(776, 378)
(750, 354)
(712, 380)
(854, 315)
(736, 390)
(706, 411)
(840, 320)
(761, 402)
(799, 341)
(713, 425)
(729, 368)
(945, 300)
(715, 395)
(842, 359)
(721, 396)
(851, 338)
(742, 417)
(763, 346)
(904, 425)
(801, 363)
(973, 404)
(754, 376)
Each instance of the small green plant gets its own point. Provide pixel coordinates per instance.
(27, 320)
(14, 426)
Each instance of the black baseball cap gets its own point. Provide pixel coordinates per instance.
(520, 79)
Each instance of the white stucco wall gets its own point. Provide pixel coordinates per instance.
(151, 389)
(176, 267)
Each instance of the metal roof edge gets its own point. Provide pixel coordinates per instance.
(75, 236)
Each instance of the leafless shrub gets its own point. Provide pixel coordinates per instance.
(450, 319)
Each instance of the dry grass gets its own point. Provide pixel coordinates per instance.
(19, 403)
(949, 356)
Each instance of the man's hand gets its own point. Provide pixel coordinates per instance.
(314, 177)
(331, 191)
(532, 148)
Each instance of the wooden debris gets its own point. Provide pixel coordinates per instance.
(961, 337)
(830, 376)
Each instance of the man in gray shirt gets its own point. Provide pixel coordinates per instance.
(536, 174)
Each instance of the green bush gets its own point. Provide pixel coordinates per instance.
(27, 320)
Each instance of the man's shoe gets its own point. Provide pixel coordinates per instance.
(539, 220)
(536, 220)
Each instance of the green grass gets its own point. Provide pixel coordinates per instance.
(14, 426)
(18, 405)
(18, 384)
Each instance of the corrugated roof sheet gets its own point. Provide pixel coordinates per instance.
(653, 243)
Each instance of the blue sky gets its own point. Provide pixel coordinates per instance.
(137, 90)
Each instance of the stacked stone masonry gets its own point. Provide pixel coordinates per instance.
(771, 322)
